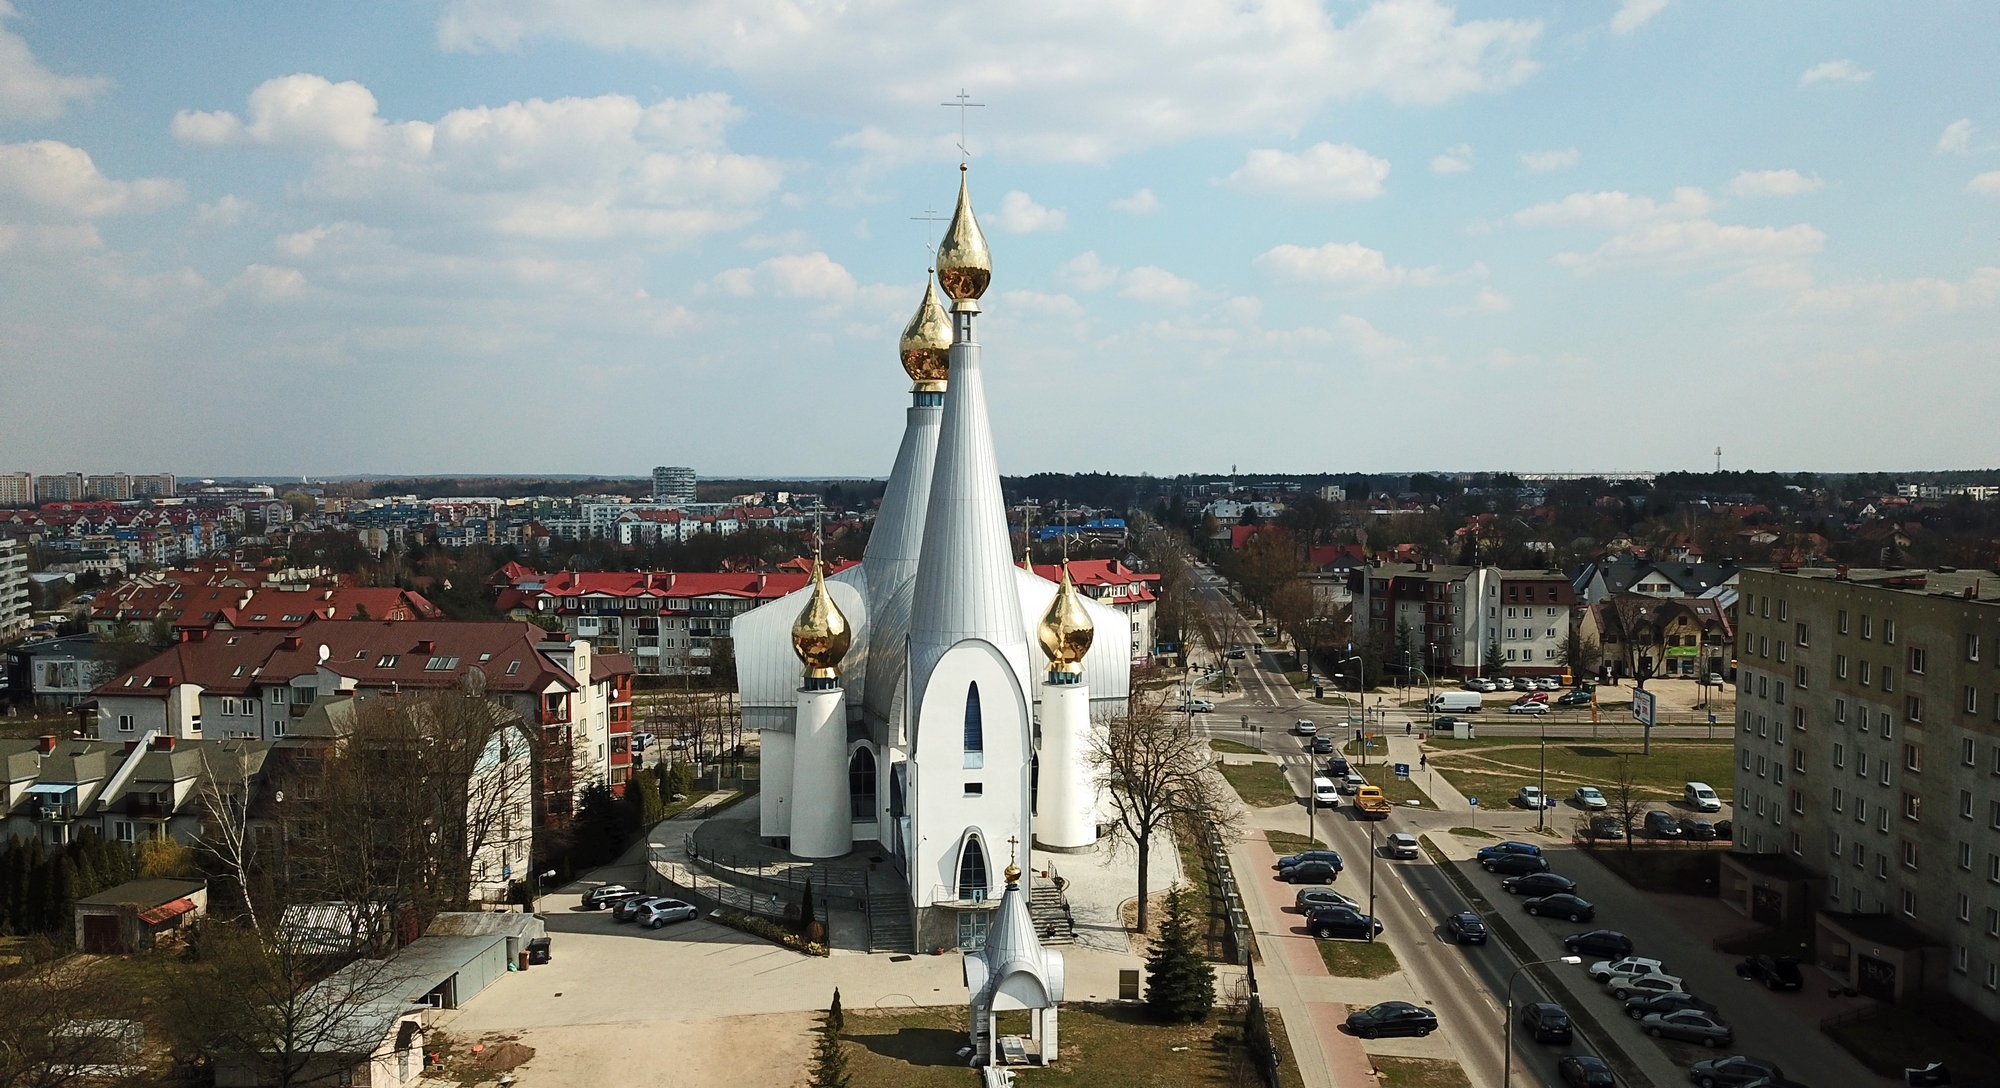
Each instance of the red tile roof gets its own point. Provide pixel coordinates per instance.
(745, 584)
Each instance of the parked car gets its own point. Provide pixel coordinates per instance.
(1725, 830)
(1330, 857)
(1599, 942)
(541, 950)
(1516, 864)
(1639, 1006)
(1448, 723)
(1589, 797)
(1529, 708)
(1606, 826)
(1696, 829)
(1699, 795)
(1602, 970)
(1327, 922)
(1624, 986)
(1538, 884)
(1503, 683)
(1585, 1071)
(1392, 1018)
(1401, 845)
(1309, 872)
(1305, 728)
(1776, 973)
(1466, 927)
(1484, 687)
(1308, 898)
(659, 912)
(606, 895)
(1533, 697)
(1662, 824)
(1509, 846)
(1729, 1072)
(1689, 1026)
(1529, 797)
(1546, 1021)
(1562, 905)
(1573, 698)
(628, 909)
(1715, 680)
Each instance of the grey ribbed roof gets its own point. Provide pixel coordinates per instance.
(893, 550)
(1013, 954)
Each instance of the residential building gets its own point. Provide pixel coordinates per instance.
(60, 487)
(1629, 574)
(671, 623)
(158, 485)
(1452, 617)
(114, 486)
(17, 488)
(16, 608)
(143, 787)
(56, 672)
(673, 485)
(1868, 718)
(1643, 635)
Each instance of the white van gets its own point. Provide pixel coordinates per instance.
(1456, 702)
(1700, 797)
(1326, 793)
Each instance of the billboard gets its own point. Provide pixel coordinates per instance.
(1643, 707)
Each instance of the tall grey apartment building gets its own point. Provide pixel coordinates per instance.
(673, 485)
(1868, 718)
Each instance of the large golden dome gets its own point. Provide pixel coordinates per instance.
(1066, 629)
(926, 343)
(964, 267)
(820, 636)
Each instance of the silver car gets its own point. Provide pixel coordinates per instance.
(1309, 898)
(658, 912)
(1688, 1025)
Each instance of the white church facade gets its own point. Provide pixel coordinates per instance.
(934, 703)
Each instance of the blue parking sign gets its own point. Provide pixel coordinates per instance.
(1473, 801)
(1402, 770)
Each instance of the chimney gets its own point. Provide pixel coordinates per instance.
(163, 743)
(130, 745)
(426, 646)
(291, 642)
(195, 634)
(45, 743)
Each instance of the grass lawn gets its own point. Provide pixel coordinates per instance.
(1261, 785)
(1498, 766)
(1358, 959)
(1674, 870)
(1914, 1035)
(1421, 1073)
(1234, 747)
(1112, 1046)
(1284, 842)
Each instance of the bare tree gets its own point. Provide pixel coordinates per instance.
(226, 791)
(71, 1022)
(1155, 772)
(1625, 800)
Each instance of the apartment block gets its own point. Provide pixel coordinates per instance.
(17, 488)
(1456, 614)
(60, 487)
(15, 606)
(1868, 718)
(673, 485)
(114, 486)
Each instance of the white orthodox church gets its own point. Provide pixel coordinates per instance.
(934, 703)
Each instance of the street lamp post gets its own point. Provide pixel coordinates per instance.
(1371, 881)
(1542, 730)
(1507, 1025)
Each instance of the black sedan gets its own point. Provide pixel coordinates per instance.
(1696, 829)
(1731, 1071)
(1638, 1005)
(1498, 849)
(1608, 943)
(1326, 922)
(1546, 1021)
(1308, 872)
(1661, 824)
(1331, 857)
(1538, 884)
(1606, 826)
(1562, 905)
(1776, 973)
(1466, 928)
(1392, 1018)
(1585, 1071)
(1515, 864)
(1725, 830)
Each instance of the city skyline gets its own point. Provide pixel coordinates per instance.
(392, 240)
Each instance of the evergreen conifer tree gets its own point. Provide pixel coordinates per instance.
(829, 1060)
(836, 1019)
(1180, 985)
(806, 909)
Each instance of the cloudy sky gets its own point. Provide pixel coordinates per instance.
(1293, 235)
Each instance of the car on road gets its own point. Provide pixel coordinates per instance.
(1562, 905)
(1639, 1006)
(1689, 1026)
(1352, 782)
(1776, 973)
(1536, 709)
(1309, 872)
(1329, 922)
(1546, 1021)
(1508, 846)
(659, 912)
(1538, 884)
(1326, 793)
(1198, 706)
(1337, 767)
(1308, 898)
(1696, 829)
(1465, 927)
(1573, 698)
(1606, 826)
(1599, 942)
(1624, 986)
(1322, 745)
(1401, 845)
(1448, 723)
(1589, 797)
(1662, 824)
(628, 909)
(1236, 653)
(1305, 728)
(1730, 1072)
(1330, 857)
(1602, 970)
(1392, 1018)
(606, 895)
(1701, 796)
(1585, 1071)
(1515, 864)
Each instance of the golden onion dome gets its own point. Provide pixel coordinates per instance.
(926, 343)
(964, 267)
(1012, 875)
(820, 636)
(1066, 629)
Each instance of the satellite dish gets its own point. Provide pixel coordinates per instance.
(324, 653)
(474, 681)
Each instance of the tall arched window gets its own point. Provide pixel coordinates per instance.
(861, 784)
(972, 871)
(975, 729)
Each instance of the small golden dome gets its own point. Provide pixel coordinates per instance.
(1012, 874)
(964, 267)
(1066, 629)
(926, 343)
(820, 636)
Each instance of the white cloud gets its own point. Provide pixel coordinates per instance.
(1045, 303)
(1086, 272)
(809, 275)
(1490, 301)
(1675, 235)
(1324, 171)
(1369, 341)
(1957, 137)
(1210, 67)
(49, 179)
(1542, 162)
(1142, 202)
(269, 283)
(1907, 299)
(1245, 308)
(1614, 210)
(1633, 14)
(1834, 71)
(1987, 184)
(1019, 214)
(1343, 264)
(1772, 183)
(1455, 160)
(225, 211)
(30, 92)
(1150, 284)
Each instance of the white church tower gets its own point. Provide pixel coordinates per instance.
(820, 824)
(1066, 806)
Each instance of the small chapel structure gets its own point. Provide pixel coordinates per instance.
(1013, 971)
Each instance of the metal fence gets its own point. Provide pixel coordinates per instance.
(710, 893)
(845, 889)
(1236, 939)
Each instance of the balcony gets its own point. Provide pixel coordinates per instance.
(146, 808)
(54, 812)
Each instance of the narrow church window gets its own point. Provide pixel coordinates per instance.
(861, 785)
(975, 729)
(972, 872)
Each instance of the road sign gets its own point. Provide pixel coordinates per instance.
(1644, 706)
(1473, 801)
(1402, 770)
(1354, 719)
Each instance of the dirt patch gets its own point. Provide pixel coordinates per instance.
(477, 1061)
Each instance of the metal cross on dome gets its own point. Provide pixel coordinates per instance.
(930, 216)
(964, 103)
